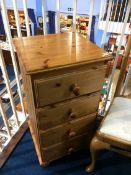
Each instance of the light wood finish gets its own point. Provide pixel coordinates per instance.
(95, 146)
(67, 111)
(65, 87)
(41, 52)
(103, 141)
(67, 130)
(63, 76)
(67, 147)
(35, 143)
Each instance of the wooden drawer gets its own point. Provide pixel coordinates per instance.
(67, 111)
(60, 88)
(68, 130)
(66, 148)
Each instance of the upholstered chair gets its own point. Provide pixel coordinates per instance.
(114, 132)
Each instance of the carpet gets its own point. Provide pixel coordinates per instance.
(23, 161)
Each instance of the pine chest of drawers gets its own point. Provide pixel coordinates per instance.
(63, 76)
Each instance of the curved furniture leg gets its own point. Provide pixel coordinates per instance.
(95, 147)
(45, 164)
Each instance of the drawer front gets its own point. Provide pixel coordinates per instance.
(66, 148)
(60, 88)
(67, 111)
(69, 130)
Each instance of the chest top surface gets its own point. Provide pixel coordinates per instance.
(37, 53)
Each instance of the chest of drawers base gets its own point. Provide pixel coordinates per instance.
(63, 89)
(60, 127)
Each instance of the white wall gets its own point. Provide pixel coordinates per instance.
(64, 5)
(30, 4)
(51, 5)
(82, 6)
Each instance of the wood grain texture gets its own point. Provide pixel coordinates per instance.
(67, 111)
(63, 76)
(67, 147)
(60, 88)
(38, 53)
(67, 130)
(38, 152)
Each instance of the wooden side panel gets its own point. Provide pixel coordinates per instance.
(31, 111)
(32, 116)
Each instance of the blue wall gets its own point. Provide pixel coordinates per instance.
(38, 8)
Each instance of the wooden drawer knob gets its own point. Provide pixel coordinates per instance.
(75, 89)
(72, 133)
(71, 114)
(70, 150)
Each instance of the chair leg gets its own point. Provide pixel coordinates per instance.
(95, 147)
